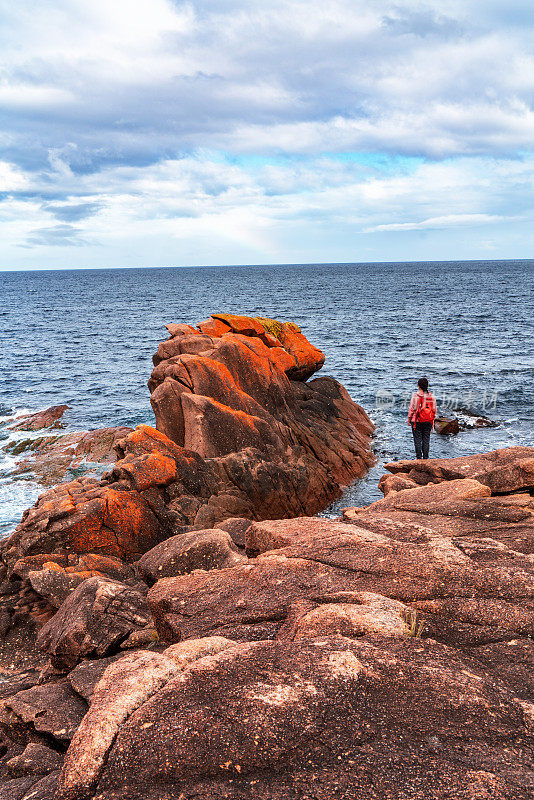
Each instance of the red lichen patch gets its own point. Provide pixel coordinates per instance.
(135, 526)
(309, 358)
(28, 564)
(270, 340)
(282, 359)
(115, 523)
(145, 439)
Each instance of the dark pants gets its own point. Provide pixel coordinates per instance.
(421, 438)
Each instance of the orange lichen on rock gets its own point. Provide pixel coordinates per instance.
(214, 327)
(248, 326)
(302, 359)
(239, 433)
(152, 469)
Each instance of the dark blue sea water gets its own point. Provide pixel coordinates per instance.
(86, 338)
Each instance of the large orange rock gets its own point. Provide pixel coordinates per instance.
(257, 367)
(84, 517)
(239, 433)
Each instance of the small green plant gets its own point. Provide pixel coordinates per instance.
(414, 625)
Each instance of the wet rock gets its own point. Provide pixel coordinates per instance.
(446, 426)
(50, 458)
(469, 418)
(42, 419)
(209, 549)
(93, 621)
(395, 483)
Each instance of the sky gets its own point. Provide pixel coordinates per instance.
(161, 133)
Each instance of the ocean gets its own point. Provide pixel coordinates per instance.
(86, 338)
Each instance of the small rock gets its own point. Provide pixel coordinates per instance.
(35, 760)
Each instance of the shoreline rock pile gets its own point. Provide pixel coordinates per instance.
(388, 654)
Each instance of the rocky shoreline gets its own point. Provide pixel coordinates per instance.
(183, 626)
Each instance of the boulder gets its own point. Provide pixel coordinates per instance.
(434, 496)
(303, 718)
(446, 426)
(395, 483)
(237, 528)
(53, 710)
(506, 470)
(208, 549)
(81, 517)
(492, 525)
(125, 686)
(373, 614)
(85, 675)
(185, 653)
(36, 759)
(93, 621)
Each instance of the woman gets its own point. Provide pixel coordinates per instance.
(421, 415)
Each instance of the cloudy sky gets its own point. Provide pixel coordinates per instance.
(156, 132)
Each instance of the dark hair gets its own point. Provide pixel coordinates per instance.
(423, 384)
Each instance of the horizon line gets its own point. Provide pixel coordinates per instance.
(275, 265)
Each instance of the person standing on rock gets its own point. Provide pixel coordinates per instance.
(421, 415)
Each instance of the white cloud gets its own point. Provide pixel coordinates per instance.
(204, 206)
(139, 78)
(447, 221)
(201, 122)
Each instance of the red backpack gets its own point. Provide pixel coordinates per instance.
(425, 409)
